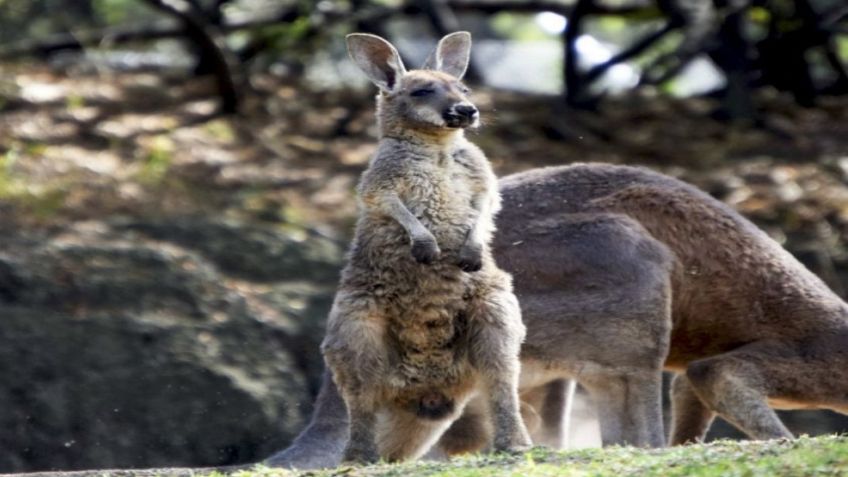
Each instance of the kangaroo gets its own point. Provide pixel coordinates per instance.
(637, 268)
(622, 273)
(423, 320)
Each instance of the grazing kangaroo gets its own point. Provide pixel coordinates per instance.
(423, 320)
(622, 272)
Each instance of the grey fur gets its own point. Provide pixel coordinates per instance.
(451, 55)
(423, 320)
(652, 274)
(377, 58)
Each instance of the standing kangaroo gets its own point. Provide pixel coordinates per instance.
(622, 272)
(423, 320)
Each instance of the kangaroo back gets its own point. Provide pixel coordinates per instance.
(728, 274)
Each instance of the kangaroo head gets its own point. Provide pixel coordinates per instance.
(430, 99)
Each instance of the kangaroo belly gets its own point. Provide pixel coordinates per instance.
(429, 342)
(428, 353)
(427, 327)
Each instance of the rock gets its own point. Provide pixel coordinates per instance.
(120, 351)
(249, 251)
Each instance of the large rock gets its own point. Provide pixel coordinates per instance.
(117, 350)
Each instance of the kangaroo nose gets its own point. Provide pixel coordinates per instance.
(466, 110)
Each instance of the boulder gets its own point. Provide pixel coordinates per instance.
(146, 346)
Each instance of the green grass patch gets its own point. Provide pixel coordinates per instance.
(220, 129)
(806, 456)
(43, 200)
(158, 156)
(74, 101)
(842, 46)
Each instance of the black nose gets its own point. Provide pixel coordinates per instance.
(466, 110)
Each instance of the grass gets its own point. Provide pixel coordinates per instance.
(157, 160)
(43, 200)
(806, 456)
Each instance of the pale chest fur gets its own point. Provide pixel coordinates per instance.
(438, 189)
(440, 196)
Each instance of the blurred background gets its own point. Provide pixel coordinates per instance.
(177, 184)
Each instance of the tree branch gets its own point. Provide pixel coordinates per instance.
(573, 81)
(50, 44)
(680, 59)
(634, 50)
(834, 16)
(45, 47)
(534, 6)
(157, 30)
(841, 84)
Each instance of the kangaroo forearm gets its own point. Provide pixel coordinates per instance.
(479, 227)
(391, 205)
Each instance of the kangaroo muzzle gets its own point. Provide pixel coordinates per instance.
(461, 115)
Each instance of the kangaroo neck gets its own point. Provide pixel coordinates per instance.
(424, 146)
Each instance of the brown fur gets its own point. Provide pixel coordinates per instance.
(646, 263)
(621, 273)
(423, 319)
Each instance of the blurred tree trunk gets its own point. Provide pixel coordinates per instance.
(573, 84)
(733, 57)
(213, 54)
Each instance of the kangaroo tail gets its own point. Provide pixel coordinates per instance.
(321, 444)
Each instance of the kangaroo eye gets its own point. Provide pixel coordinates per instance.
(464, 89)
(421, 92)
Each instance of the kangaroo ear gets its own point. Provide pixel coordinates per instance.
(377, 58)
(451, 55)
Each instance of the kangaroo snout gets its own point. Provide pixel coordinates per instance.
(467, 110)
(461, 115)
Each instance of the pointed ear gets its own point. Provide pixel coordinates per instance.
(451, 55)
(377, 58)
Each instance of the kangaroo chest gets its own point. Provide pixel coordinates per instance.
(441, 197)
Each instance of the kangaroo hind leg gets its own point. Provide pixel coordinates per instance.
(496, 333)
(629, 407)
(355, 351)
(737, 385)
(690, 417)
